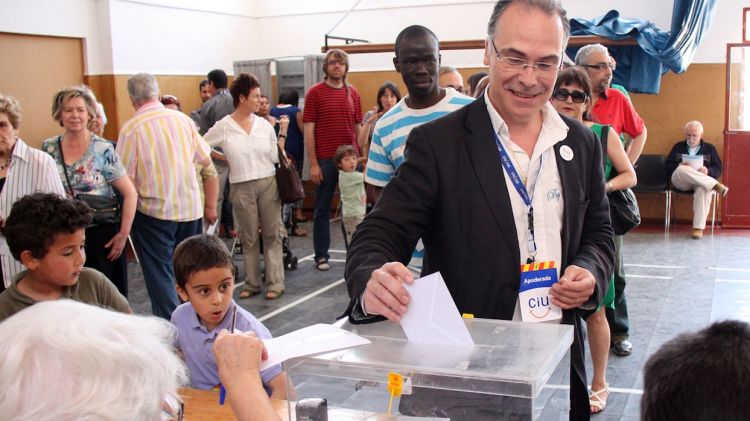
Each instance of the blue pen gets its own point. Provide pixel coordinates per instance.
(222, 391)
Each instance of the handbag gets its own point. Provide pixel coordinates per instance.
(623, 206)
(287, 179)
(623, 210)
(104, 210)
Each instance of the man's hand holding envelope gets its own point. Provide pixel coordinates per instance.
(385, 293)
(432, 316)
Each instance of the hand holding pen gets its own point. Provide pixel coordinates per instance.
(238, 357)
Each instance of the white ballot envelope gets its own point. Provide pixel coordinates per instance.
(212, 228)
(695, 161)
(432, 316)
(311, 340)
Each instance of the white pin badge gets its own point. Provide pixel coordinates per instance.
(566, 153)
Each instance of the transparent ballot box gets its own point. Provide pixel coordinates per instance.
(516, 371)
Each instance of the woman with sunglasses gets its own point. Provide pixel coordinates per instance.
(572, 97)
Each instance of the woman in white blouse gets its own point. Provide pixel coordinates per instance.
(250, 146)
(23, 170)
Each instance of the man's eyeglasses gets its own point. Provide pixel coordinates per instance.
(562, 94)
(520, 64)
(600, 66)
(334, 62)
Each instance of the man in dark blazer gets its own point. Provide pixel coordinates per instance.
(452, 191)
(702, 180)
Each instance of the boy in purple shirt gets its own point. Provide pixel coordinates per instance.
(204, 273)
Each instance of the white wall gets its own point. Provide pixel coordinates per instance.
(193, 36)
(166, 40)
(379, 21)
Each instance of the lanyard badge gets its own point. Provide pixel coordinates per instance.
(521, 189)
(533, 293)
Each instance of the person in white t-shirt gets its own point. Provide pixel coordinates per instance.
(250, 145)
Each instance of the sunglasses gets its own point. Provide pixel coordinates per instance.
(562, 94)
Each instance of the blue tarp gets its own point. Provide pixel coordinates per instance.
(639, 67)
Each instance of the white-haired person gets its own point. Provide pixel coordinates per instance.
(701, 180)
(23, 170)
(64, 360)
(96, 125)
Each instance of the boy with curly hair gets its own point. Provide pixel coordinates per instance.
(46, 233)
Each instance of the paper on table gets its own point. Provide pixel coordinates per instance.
(315, 339)
(695, 161)
(432, 317)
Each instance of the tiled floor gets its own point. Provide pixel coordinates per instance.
(675, 284)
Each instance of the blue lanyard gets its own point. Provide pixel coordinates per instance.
(521, 189)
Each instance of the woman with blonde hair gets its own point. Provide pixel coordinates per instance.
(89, 165)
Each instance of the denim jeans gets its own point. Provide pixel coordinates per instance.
(322, 215)
(155, 241)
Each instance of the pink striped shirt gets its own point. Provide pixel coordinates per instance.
(159, 148)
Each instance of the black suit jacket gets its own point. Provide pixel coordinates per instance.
(451, 192)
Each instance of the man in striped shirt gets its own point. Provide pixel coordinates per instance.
(418, 60)
(160, 149)
(332, 117)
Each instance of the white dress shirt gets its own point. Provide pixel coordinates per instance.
(30, 171)
(542, 180)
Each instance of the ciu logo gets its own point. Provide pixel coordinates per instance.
(539, 307)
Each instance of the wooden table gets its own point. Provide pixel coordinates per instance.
(203, 405)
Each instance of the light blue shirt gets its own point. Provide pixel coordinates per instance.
(389, 142)
(195, 342)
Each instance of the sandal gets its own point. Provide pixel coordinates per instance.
(597, 402)
(272, 295)
(299, 232)
(246, 293)
(322, 264)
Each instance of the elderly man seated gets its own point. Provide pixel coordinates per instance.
(700, 177)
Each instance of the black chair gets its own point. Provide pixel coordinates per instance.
(652, 178)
